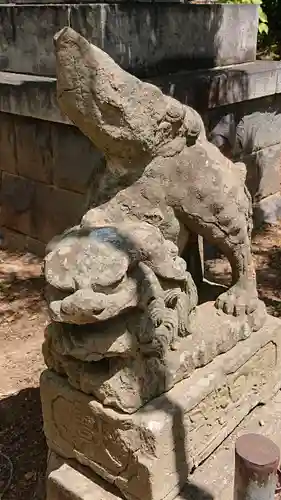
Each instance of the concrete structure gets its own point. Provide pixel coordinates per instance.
(145, 38)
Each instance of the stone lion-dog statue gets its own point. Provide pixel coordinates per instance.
(176, 180)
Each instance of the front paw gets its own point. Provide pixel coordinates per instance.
(238, 301)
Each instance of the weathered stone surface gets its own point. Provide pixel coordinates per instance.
(17, 199)
(30, 96)
(65, 481)
(126, 325)
(142, 37)
(55, 210)
(278, 83)
(26, 37)
(36, 209)
(222, 86)
(71, 480)
(134, 374)
(264, 420)
(111, 278)
(37, 152)
(255, 140)
(264, 172)
(161, 145)
(15, 241)
(162, 438)
(257, 131)
(34, 150)
(134, 269)
(35, 96)
(203, 44)
(8, 156)
(268, 210)
(123, 261)
(76, 161)
(248, 130)
(48, 152)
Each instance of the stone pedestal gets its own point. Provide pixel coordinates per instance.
(142, 382)
(170, 435)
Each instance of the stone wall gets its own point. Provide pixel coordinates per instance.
(46, 170)
(144, 37)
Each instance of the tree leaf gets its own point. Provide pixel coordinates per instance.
(263, 28)
(262, 16)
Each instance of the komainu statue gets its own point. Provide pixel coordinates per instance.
(182, 182)
(127, 325)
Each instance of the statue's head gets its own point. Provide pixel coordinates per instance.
(123, 116)
(100, 272)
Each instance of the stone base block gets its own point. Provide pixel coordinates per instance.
(149, 453)
(69, 480)
(19, 242)
(68, 483)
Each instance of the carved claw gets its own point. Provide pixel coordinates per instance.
(238, 300)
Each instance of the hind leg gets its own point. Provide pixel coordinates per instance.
(242, 297)
(229, 231)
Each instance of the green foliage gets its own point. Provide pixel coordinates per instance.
(263, 21)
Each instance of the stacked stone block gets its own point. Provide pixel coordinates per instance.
(255, 139)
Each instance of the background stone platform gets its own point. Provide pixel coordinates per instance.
(145, 38)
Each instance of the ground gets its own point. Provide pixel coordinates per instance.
(23, 317)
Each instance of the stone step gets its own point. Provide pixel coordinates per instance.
(68, 479)
(35, 96)
(145, 38)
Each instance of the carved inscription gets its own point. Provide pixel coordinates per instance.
(212, 415)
